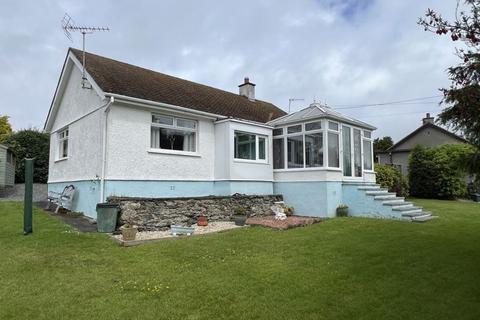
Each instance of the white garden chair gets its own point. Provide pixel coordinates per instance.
(62, 199)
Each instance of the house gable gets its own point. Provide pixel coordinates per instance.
(70, 101)
(428, 135)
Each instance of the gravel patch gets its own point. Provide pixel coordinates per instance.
(212, 227)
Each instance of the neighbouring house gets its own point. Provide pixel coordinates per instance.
(427, 135)
(125, 131)
(7, 168)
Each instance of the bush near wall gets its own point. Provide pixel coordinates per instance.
(30, 143)
(390, 178)
(437, 172)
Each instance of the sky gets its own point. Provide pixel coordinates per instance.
(342, 53)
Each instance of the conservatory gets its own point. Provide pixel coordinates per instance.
(318, 154)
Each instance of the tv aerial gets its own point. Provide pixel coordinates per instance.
(68, 26)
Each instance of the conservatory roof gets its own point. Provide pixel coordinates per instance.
(316, 111)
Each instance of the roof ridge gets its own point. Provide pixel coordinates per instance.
(78, 51)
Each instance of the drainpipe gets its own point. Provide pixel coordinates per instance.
(104, 150)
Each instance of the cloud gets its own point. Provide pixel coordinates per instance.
(349, 52)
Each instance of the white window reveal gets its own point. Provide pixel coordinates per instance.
(172, 133)
(63, 144)
(249, 146)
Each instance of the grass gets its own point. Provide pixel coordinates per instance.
(345, 268)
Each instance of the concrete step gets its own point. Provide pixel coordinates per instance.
(388, 196)
(424, 218)
(406, 208)
(369, 188)
(378, 192)
(414, 213)
(396, 202)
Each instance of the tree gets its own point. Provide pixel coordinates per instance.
(462, 99)
(30, 143)
(380, 145)
(5, 127)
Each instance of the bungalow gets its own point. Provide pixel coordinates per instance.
(118, 129)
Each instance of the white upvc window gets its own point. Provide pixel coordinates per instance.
(333, 139)
(250, 146)
(174, 134)
(298, 146)
(63, 144)
(367, 151)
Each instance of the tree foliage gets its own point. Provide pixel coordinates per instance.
(381, 145)
(30, 143)
(438, 172)
(5, 127)
(389, 177)
(462, 99)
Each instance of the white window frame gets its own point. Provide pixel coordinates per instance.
(257, 149)
(176, 127)
(371, 151)
(340, 147)
(62, 136)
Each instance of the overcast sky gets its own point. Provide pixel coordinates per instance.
(342, 52)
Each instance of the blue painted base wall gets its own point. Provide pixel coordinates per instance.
(315, 198)
(88, 192)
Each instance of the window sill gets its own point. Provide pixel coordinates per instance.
(250, 161)
(175, 153)
(61, 159)
(308, 169)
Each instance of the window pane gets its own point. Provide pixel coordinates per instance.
(295, 152)
(333, 150)
(367, 134)
(367, 155)
(245, 146)
(347, 151)
(333, 126)
(294, 129)
(278, 132)
(162, 120)
(278, 154)
(64, 152)
(357, 152)
(262, 143)
(171, 139)
(186, 123)
(314, 149)
(313, 126)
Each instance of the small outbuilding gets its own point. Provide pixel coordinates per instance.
(7, 168)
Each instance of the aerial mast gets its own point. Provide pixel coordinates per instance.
(68, 26)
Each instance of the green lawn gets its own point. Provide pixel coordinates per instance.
(349, 268)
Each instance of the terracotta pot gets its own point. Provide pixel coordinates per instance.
(202, 221)
(129, 234)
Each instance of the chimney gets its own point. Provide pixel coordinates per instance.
(247, 89)
(428, 119)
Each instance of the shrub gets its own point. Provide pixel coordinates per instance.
(437, 172)
(390, 178)
(30, 143)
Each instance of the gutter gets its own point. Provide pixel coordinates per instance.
(149, 103)
(104, 150)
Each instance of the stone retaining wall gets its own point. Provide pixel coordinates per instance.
(151, 214)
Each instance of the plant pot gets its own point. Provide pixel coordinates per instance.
(239, 219)
(475, 197)
(202, 221)
(342, 212)
(129, 234)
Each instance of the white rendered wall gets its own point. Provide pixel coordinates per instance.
(222, 151)
(85, 135)
(129, 156)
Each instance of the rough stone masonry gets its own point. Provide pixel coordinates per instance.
(151, 214)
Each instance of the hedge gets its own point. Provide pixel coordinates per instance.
(390, 178)
(437, 172)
